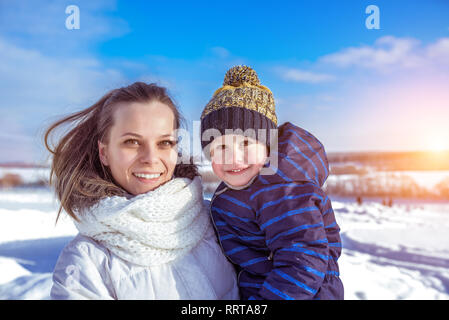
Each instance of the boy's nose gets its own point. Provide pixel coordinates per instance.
(238, 156)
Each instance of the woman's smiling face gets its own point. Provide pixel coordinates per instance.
(141, 151)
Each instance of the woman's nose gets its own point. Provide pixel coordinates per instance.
(149, 155)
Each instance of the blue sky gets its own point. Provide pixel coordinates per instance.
(356, 89)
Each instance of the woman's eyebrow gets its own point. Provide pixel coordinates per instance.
(166, 135)
(131, 134)
(139, 136)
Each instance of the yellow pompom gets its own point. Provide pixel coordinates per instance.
(242, 88)
(239, 75)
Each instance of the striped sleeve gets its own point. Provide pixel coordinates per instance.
(290, 216)
(237, 229)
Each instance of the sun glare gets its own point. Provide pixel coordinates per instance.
(437, 144)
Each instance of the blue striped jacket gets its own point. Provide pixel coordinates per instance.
(280, 232)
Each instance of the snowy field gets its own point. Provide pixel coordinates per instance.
(400, 252)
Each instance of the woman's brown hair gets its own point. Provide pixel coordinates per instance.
(78, 176)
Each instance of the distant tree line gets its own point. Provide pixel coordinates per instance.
(356, 183)
(390, 186)
(394, 161)
(12, 180)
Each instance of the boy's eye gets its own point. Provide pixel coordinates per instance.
(246, 143)
(221, 147)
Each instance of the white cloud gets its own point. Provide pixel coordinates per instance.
(387, 96)
(389, 53)
(29, 78)
(439, 50)
(298, 75)
(36, 87)
(41, 24)
(386, 52)
(221, 52)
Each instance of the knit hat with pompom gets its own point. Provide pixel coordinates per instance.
(241, 103)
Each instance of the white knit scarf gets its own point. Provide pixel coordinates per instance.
(151, 228)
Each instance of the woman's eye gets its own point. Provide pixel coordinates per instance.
(132, 142)
(167, 143)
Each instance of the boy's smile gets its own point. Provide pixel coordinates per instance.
(237, 159)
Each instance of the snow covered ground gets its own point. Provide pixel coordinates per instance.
(400, 252)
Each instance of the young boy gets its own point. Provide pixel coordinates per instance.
(277, 225)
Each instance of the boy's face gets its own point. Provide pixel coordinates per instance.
(236, 159)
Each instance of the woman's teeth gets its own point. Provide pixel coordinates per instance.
(238, 170)
(147, 176)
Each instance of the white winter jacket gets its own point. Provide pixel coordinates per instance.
(113, 257)
(87, 270)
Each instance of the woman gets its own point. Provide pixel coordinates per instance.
(144, 229)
